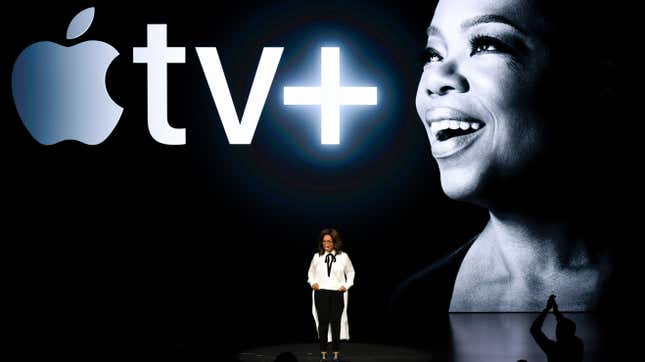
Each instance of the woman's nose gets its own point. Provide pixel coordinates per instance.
(443, 78)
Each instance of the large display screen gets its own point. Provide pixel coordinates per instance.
(169, 166)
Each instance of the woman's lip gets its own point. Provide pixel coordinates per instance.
(437, 114)
(453, 145)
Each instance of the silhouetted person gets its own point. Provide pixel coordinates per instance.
(286, 357)
(566, 347)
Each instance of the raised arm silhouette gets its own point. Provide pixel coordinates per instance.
(567, 346)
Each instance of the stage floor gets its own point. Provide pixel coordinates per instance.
(476, 337)
(350, 352)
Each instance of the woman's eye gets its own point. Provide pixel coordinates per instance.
(431, 55)
(485, 48)
(487, 44)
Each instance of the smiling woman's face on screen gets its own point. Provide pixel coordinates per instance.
(482, 96)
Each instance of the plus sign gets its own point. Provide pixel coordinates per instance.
(330, 96)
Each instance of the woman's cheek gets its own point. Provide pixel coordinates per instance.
(420, 96)
(495, 80)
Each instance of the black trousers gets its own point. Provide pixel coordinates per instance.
(329, 305)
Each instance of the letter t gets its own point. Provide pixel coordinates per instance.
(157, 55)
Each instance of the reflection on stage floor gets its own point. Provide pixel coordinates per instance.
(476, 337)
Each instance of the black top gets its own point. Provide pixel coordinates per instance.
(419, 306)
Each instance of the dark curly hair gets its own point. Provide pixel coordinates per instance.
(335, 235)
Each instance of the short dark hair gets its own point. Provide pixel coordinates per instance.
(601, 84)
(335, 235)
(286, 357)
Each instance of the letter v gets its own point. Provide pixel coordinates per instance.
(240, 133)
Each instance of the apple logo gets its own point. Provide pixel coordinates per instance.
(60, 92)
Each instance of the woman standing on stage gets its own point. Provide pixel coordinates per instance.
(330, 275)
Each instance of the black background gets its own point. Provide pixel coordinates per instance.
(134, 249)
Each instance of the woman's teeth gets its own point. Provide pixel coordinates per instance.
(445, 129)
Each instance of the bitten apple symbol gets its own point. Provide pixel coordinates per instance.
(60, 92)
